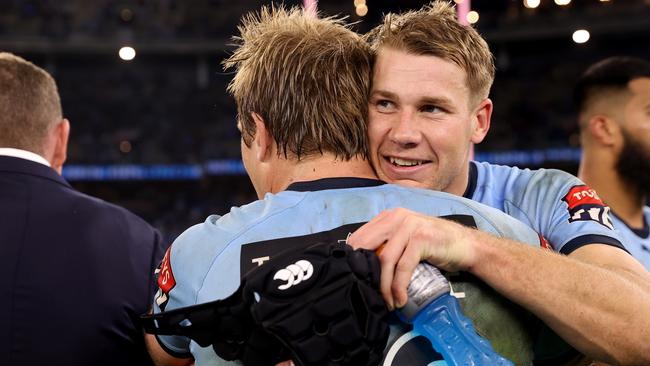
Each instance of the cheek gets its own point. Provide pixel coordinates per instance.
(377, 129)
(447, 142)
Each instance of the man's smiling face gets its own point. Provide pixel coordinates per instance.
(421, 121)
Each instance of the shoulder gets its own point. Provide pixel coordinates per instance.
(461, 209)
(495, 171)
(513, 184)
(100, 212)
(85, 218)
(202, 243)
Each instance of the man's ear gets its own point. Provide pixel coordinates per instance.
(61, 133)
(603, 130)
(263, 140)
(481, 120)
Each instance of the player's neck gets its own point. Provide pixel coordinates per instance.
(319, 167)
(625, 201)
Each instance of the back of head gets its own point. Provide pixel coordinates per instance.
(434, 31)
(308, 78)
(611, 75)
(29, 104)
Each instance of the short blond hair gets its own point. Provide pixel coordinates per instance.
(308, 78)
(434, 31)
(29, 104)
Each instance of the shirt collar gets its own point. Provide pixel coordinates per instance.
(23, 154)
(642, 233)
(333, 183)
(471, 181)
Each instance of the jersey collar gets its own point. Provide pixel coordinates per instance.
(471, 180)
(642, 233)
(333, 183)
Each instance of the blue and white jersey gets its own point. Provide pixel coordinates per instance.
(207, 261)
(554, 203)
(636, 241)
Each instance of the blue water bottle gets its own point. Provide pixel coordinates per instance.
(437, 315)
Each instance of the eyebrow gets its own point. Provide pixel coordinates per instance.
(383, 93)
(439, 101)
(444, 102)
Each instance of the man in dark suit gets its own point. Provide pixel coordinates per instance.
(75, 271)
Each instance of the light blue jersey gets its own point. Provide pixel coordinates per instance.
(207, 261)
(636, 241)
(554, 203)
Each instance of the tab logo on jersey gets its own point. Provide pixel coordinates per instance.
(166, 281)
(543, 242)
(585, 205)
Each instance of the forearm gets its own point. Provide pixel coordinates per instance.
(600, 311)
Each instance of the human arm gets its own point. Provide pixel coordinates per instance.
(602, 291)
(160, 357)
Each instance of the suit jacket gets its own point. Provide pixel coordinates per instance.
(75, 273)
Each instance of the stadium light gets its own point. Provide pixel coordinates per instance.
(581, 36)
(531, 4)
(472, 17)
(362, 10)
(125, 147)
(127, 53)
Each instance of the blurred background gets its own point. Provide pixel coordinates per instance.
(153, 128)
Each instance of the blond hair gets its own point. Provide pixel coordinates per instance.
(308, 78)
(29, 104)
(434, 31)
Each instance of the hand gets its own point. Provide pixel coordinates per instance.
(406, 238)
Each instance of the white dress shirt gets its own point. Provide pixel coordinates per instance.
(23, 154)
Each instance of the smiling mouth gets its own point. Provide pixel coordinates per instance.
(398, 162)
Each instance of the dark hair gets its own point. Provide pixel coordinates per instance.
(609, 74)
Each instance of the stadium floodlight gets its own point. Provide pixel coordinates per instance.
(531, 4)
(581, 36)
(362, 10)
(472, 17)
(127, 53)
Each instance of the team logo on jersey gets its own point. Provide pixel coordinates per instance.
(294, 274)
(585, 205)
(166, 281)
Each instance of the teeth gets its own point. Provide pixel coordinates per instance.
(404, 162)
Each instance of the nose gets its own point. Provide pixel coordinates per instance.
(405, 132)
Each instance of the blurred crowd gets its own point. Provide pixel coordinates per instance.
(171, 106)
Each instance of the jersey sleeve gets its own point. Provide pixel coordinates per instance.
(176, 346)
(562, 208)
(178, 279)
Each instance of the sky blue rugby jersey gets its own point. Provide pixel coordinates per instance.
(554, 203)
(637, 241)
(206, 262)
